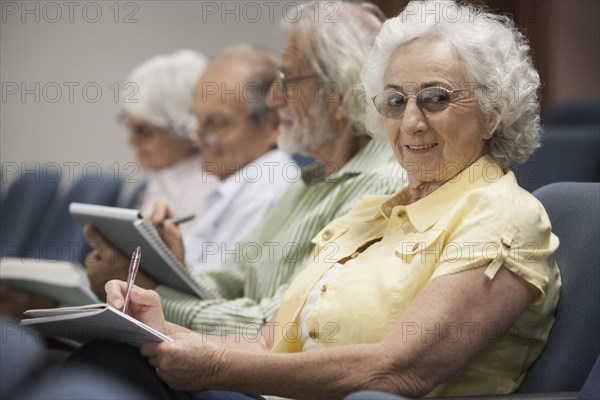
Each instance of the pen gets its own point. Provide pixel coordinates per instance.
(177, 220)
(133, 269)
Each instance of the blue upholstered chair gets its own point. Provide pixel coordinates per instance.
(591, 387)
(60, 237)
(26, 371)
(23, 207)
(136, 196)
(568, 153)
(21, 352)
(572, 352)
(578, 112)
(573, 345)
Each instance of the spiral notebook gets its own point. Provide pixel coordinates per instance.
(92, 322)
(125, 229)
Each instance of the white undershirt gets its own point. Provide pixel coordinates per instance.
(313, 296)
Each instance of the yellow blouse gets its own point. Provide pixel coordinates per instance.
(481, 217)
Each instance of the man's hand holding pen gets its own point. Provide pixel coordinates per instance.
(106, 262)
(163, 218)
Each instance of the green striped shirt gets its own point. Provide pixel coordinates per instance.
(258, 270)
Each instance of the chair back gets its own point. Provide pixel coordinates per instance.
(578, 112)
(134, 199)
(591, 388)
(60, 237)
(573, 345)
(568, 153)
(24, 205)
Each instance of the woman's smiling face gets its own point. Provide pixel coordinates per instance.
(433, 147)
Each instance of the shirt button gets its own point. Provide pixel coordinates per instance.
(324, 288)
(327, 234)
(401, 214)
(355, 254)
(312, 334)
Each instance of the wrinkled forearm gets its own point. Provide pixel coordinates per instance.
(328, 374)
(171, 328)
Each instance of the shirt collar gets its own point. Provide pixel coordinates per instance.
(367, 159)
(231, 185)
(428, 210)
(172, 172)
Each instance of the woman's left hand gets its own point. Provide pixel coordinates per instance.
(191, 362)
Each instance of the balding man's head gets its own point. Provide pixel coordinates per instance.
(235, 126)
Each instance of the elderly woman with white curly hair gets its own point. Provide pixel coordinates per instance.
(446, 288)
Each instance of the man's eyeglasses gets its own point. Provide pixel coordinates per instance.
(285, 81)
(391, 103)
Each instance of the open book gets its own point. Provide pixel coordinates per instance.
(92, 322)
(125, 229)
(61, 281)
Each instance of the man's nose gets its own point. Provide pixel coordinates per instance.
(276, 97)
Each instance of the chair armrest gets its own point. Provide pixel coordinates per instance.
(371, 395)
(521, 396)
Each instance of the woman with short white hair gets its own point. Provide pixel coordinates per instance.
(157, 109)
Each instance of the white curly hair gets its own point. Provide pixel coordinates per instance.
(336, 37)
(497, 61)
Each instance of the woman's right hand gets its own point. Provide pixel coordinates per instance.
(144, 305)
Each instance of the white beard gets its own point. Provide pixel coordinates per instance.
(298, 138)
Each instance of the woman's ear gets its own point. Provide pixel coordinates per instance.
(490, 123)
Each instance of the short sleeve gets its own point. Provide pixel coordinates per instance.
(507, 231)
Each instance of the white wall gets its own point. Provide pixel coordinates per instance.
(57, 44)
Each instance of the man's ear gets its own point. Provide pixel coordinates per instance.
(337, 100)
(340, 113)
(271, 125)
(273, 121)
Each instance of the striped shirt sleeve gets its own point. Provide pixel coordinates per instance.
(252, 289)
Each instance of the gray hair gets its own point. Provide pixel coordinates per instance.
(498, 65)
(336, 37)
(164, 91)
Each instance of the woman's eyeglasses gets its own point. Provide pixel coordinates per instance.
(140, 130)
(145, 132)
(391, 103)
